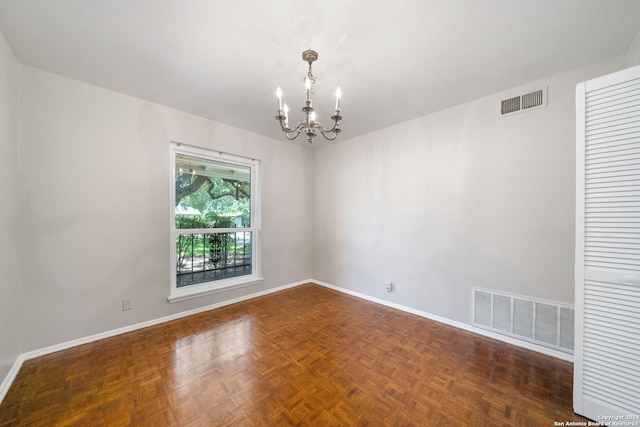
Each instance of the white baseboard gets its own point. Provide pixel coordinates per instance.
(11, 375)
(460, 325)
(13, 372)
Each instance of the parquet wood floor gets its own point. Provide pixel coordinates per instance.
(307, 356)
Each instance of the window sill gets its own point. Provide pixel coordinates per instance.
(195, 291)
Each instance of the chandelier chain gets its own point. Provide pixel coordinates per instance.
(310, 75)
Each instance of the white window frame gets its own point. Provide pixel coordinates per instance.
(180, 294)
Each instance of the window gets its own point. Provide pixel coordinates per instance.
(214, 222)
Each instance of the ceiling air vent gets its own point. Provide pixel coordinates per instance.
(524, 102)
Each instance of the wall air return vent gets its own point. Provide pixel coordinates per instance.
(510, 105)
(549, 324)
(524, 102)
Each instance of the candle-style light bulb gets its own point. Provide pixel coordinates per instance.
(279, 95)
(286, 115)
(338, 95)
(312, 116)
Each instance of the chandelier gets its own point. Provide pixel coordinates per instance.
(309, 125)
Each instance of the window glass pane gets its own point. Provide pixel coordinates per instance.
(212, 256)
(211, 194)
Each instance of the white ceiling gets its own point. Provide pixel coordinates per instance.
(393, 60)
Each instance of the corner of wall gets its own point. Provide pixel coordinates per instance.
(10, 246)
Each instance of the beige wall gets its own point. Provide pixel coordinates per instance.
(455, 199)
(95, 229)
(633, 55)
(9, 211)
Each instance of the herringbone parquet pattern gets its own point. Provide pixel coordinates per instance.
(307, 356)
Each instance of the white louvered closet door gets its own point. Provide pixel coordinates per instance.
(607, 351)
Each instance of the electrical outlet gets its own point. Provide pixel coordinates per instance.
(126, 304)
(389, 286)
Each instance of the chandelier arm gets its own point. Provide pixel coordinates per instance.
(324, 133)
(287, 129)
(299, 127)
(334, 129)
(288, 132)
(291, 138)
